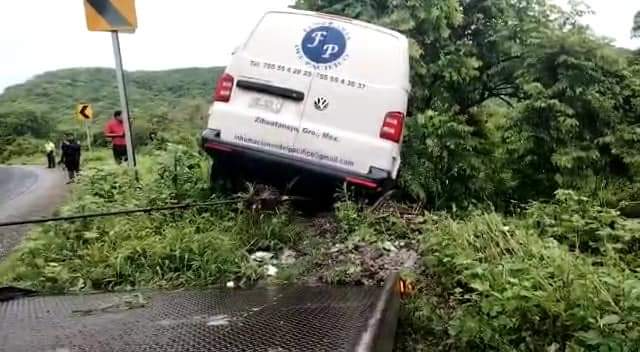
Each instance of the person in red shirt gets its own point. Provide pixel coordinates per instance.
(114, 129)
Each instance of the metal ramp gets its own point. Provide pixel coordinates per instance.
(279, 319)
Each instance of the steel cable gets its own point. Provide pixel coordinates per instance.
(115, 213)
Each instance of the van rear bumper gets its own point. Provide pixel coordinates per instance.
(375, 179)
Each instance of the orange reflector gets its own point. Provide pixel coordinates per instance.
(406, 288)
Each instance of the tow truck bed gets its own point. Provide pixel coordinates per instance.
(290, 318)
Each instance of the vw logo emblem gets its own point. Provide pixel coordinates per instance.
(321, 103)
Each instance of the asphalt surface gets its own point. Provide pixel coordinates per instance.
(27, 192)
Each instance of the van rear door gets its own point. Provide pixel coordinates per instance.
(270, 87)
(361, 74)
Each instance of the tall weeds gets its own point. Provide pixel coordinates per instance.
(514, 285)
(195, 247)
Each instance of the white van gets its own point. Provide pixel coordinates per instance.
(320, 93)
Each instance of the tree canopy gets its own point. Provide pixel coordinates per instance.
(511, 99)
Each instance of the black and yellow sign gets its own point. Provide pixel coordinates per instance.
(111, 15)
(84, 112)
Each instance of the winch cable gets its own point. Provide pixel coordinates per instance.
(149, 210)
(117, 212)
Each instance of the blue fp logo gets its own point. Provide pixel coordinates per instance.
(324, 44)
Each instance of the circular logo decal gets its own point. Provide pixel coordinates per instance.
(324, 44)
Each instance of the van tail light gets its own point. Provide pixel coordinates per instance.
(224, 88)
(219, 147)
(392, 126)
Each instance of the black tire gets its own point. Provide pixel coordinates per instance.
(224, 177)
(219, 175)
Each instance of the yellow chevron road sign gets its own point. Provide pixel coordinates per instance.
(111, 15)
(84, 112)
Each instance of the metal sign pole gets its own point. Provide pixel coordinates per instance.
(131, 155)
(86, 128)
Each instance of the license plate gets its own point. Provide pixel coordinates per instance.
(270, 104)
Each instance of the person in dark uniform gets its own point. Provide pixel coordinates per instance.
(71, 151)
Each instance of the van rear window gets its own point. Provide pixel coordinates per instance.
(331, 46)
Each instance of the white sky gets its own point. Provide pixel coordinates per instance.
(43, 35)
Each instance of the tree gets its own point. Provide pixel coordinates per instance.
(19, 121)
(568, 102)
(463, 52)
(578, 118)
(636, 26)
(463, 55)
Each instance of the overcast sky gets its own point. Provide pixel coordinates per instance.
(43, 35)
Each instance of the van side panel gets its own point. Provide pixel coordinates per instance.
(360, 88)
(349, 128)
(256, 118)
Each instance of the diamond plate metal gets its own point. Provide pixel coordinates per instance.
(283, 319)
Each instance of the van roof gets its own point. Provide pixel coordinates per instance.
(343, 19)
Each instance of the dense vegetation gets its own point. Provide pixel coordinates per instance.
(520, 171)
(560, 276)
(44, 107)
(512, 100)
(517, 102)
(193, 247)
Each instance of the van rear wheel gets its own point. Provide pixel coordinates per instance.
(222, 176)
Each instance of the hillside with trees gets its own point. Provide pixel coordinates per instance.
(44, 107)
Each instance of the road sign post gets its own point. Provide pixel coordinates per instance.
(116, 16)
(84, 113)
(86, 128)
(131, 155)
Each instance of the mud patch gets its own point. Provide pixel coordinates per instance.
(365, 264)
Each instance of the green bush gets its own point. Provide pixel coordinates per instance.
(141, 130)
(181, 175)
(195, 247)
(445, 162)
(506, 289)
(585, 227)
(18, 120)
(15, 147)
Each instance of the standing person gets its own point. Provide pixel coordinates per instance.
(114, 129)
(50, 149)
(71, 156)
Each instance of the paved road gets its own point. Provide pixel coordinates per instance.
(27, 192)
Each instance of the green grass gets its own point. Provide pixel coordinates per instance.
(33, 159)
(196, 247)
(560, 276)
(499, 284)
(95, 157)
